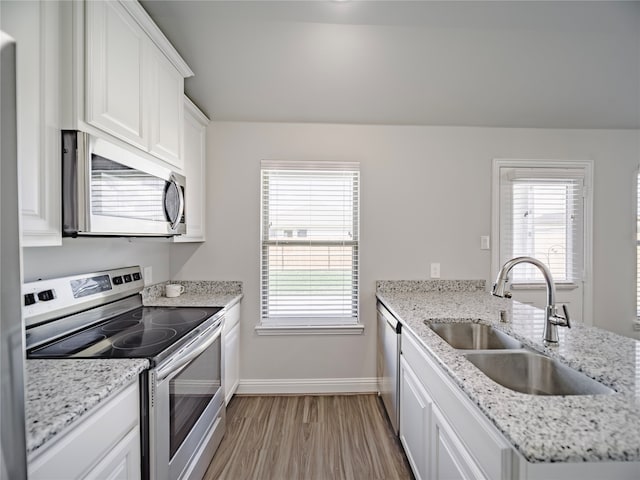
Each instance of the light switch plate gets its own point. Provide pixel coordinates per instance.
(147, 275)
(484, 242)
(435, 270)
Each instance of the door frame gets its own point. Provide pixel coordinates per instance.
(587, 167)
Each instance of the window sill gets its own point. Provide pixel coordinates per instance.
(356, 329)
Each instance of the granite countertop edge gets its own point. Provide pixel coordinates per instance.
(543, 429)
(60, 392)
(198, 293)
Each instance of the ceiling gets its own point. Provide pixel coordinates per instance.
(505, 64)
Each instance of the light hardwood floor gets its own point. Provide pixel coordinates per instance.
(308, 437)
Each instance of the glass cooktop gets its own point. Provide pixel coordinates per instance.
(140, 333)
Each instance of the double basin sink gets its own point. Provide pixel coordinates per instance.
(506, 361)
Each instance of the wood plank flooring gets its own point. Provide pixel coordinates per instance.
(308, 437)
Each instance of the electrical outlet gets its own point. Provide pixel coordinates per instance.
(435, 270)
(484, 242)
(147, 275)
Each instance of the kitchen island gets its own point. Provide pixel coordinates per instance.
(595, 429)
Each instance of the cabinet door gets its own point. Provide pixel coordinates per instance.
(195, 160)
(415, 413)
(166, 109)
(122, 462)
(36, 28)
(231, 334)
(232, 361)
(115, 72)
(450, 460)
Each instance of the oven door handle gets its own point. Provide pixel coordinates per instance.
(190, 352)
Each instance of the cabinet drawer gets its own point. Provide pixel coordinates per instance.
(485, 444)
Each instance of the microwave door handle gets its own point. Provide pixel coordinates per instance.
(175, 222)
(181, 207)
(83, 186)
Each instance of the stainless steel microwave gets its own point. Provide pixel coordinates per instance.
(108, 190)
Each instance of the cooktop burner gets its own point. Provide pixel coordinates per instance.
(140, 333)
(144, 338)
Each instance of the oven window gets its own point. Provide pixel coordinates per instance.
(190, 392)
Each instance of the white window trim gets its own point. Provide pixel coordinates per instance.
(274, 329)
(355, 329)
(587, 166)
(636, 320)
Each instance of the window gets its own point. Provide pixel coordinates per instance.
(310, 237)
(541, 217)
(542, 209)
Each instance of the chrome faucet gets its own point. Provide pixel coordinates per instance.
(553, 319)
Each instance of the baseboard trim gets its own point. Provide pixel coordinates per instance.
(307, 386)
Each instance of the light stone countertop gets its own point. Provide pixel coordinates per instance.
(201, 293)
(61, 392)
(587, 428)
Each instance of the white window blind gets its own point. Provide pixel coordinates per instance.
(309, 264)
(542, 216)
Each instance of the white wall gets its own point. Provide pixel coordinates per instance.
(425, 198)
(80, 255)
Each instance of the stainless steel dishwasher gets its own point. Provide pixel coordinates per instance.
(388, 364)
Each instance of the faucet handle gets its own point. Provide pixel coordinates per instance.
(560, 320)
(565, 310)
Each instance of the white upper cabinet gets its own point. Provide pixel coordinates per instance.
(103, 67)
(36, 28)
(195, 163)
(166, 110)
(115, 75)
(133, 78)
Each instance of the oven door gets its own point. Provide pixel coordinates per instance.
(187, 414)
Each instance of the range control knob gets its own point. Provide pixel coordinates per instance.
(29, 299)
(117, 280)
(127, 278)
(46, 295)
(136, 277)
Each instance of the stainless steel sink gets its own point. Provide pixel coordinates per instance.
(474, 336)
(535, 374)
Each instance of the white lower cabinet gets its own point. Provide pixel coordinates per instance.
(415, 418)
(231, 335)
(444, 436)
(449, 457)
(104, 445)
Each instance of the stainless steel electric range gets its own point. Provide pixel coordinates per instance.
(100, 315)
